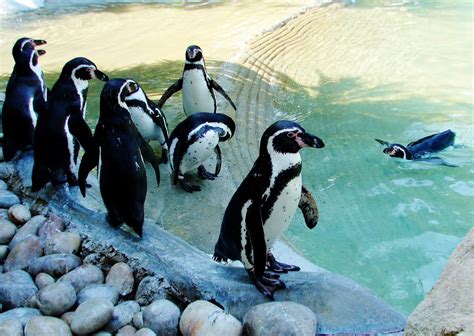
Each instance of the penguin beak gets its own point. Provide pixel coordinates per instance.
(309, 140)
(38, 42)
(41, 52)
(100, 75)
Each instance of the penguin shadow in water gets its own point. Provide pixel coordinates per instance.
(62, 125)
(421, 149)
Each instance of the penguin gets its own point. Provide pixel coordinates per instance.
(149, 119)
(122, 150)
(193, 141)
(264, 204)
(26, 96)
(62, 124)
(417, 150)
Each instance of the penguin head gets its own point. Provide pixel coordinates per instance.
(287, 137)
(399, 151)
(82, 69)
(25, 53)
(114, 95)
(193, 54)
(139, 99)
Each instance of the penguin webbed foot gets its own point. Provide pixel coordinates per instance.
(267, 284)
(278, 267)
(188, 186)
(204, 174)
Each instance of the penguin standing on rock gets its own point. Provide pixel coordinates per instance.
(264, 204)
(123, 180)
(62, 124)
(25, 97)
(193, 141)
(149, 119)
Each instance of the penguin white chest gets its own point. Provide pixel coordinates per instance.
(199, 151)
(197, 96)
(147, 128)
(70, 144)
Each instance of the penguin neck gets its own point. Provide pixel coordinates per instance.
(282, 161)
(195, 65)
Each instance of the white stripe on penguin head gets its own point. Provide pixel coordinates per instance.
(119, 100)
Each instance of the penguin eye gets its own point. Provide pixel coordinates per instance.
(132, 87)
(293, 135)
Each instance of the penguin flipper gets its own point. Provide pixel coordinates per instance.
(149, 156)
(81, 132)
(217, 150)
(177, 154)
(309, 208)
(171, 91)
(383, 142)
(89, 161)
(219, 89)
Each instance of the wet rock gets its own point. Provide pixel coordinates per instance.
(127, 331)
(23, 315)
(51, 226)
(91, 316)
(102, 333)
(145, 332)
(67, 317)
(102, 291)
(280, 318)
(84, 276)
(204, 318)
(3, 185)
(16, 287)
(162, 317)
(19, 214)
(122, 315)
(137, 320)
(3, 252)
(47, 326)
(3, 213)
(7, 231)
(54, 264)
(23, 254)
(56, 299)
(11, 328)
(27, 230)
(7, 199)
(150, 289)
(63, 242)
(43, 279)
(121, 277)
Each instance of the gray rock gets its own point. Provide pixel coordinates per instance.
(280, 318)
(27, 230)
(448, 308)
(16, 287)
(204, 318)
(23, 254)
(67, 317)
(91, 316)
(3, 185)
(150, 289)
(19, 214)
(7, 199)
(57, 298)
(54, 264)
(63, 242)
(11, 328)
(23, 315)
(102, 291)
(43, 279)
(51, 226)
(6, 170)
(127, 331)
(121, 277)
(145, 332)
(122, 315)
(47, 326)
(102, 333)
(7, 231)
(3, 213)
(3, 252)
(137, 320)
(162, 316)
(84, 276)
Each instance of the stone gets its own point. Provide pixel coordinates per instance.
(3, 185)
(128, 330)
(43, 279)
(83, 276)
(19, 214)
(162, 317)
(63, 242)
(11, 328)
(3, 252)
(102, 291)
(51, 226)
(7, 199)
(27, 230)
(280, 318)
(7, 231)
(91, 316)
(67, 317)
(145, 332)
(448, 308)
(137, 320)
(16, 288)
(23, 254)
(122, 315)
(150, 289)
(204, 318)
(121, 277)
(23, 315)
(102, 333)
(47, 326)
(3, 213)
(55, 264)
(57, 298)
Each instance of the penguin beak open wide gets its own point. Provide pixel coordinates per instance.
(100, 75)
(308, 140)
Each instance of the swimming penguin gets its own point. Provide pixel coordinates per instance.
(264, 204)
(123, 180)
(149, 119)
(54, 151)
(193, 141)
(25, 97)
(418, 149)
